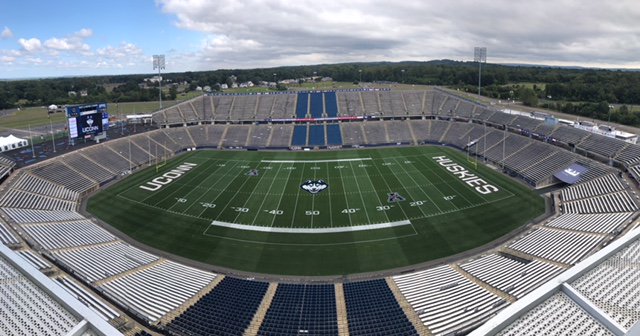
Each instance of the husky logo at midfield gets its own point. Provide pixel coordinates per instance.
(253, 172)
(314, 187)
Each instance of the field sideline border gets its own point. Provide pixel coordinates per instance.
(335, 229)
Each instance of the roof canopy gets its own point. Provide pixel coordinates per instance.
(571, 174)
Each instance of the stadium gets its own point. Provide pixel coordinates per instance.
(355, 212)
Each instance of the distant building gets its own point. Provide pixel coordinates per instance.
(224, 86)
(72, 93)
(83, 93)
(153, 79)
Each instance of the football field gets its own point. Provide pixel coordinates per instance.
(317, 213)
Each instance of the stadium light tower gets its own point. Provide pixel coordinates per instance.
(480, 56)
(158, 63)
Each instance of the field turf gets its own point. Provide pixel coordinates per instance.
(382, 208)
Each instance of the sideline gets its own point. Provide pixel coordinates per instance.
(311, 230)
(315, 161)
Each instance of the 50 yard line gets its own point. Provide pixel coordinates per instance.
(295, 206)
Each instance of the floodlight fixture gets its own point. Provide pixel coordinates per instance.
(480, 56)
(158, 63)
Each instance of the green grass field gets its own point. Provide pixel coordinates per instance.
(220, 212)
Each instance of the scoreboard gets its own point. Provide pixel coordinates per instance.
(87, 120)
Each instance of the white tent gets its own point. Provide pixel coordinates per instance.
(12, 142)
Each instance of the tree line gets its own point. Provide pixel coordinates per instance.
(571, 90)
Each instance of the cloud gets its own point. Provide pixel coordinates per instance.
(6, 33)
(260, 32)
(7, 59)
(73, 42)
(84, 33)
(58, 44)
(30, 45)
(125, 53)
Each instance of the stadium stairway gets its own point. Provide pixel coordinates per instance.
(379, 102)
(505, 296)
(180, 112)
(195, 110)
(233, 103)
(364, 134)
(444, 134)
(404, 103)
(408, 310)
(110, 169)
(168, 317)
(341, 310)
(249, 133)
(559, 229)
(413, 135)
(386, 133)
(81, 247)
(271, 137)
(361, 102)
(190, 137)
(222, 137)
(258, 318)
(140, 268)
(530, 257)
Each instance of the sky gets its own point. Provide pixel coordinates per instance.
(77, 38)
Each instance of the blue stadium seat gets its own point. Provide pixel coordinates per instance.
(316, 135)
(334, 137)
(226, 310)
(303, 105)
(317, 105)
(299, 136)
(331, 104)
(373, 310)
(301, 310)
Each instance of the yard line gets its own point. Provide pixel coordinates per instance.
(281, 196)
(211, 188)
(416, 183)
(313, 199)
(346, 198)
(387, 184)
(232, 197)
(244, 205)
(265, 197)
(206, 170)
(329, 195)
(361, 198)
(295, 206)
(449, 185)
(315, 161)
(375, 192)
